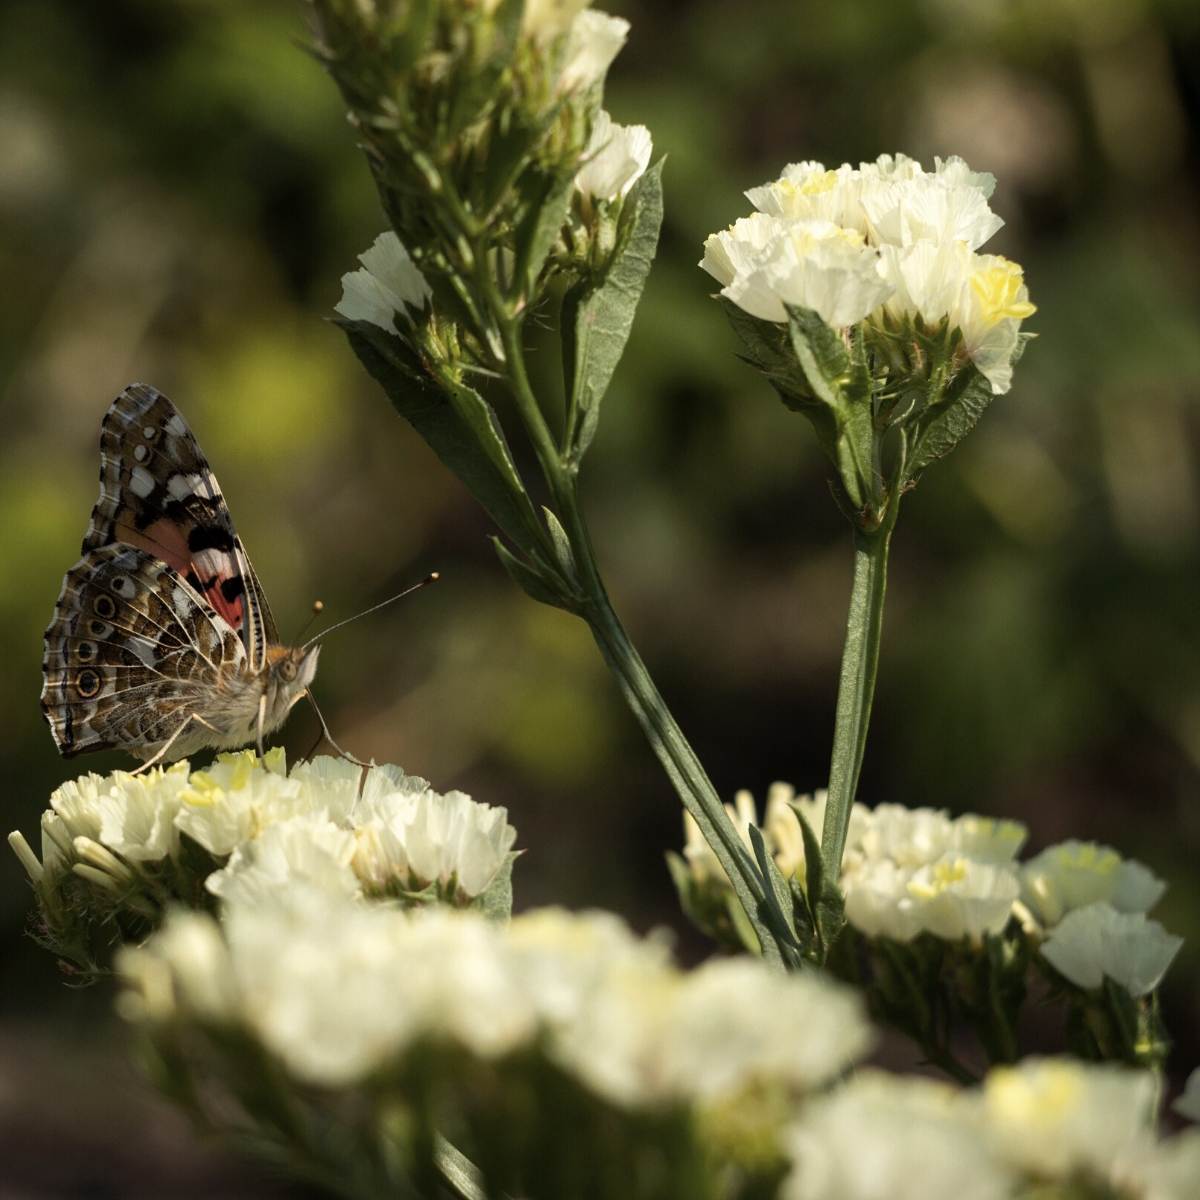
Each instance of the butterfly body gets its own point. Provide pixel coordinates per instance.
(162, 642)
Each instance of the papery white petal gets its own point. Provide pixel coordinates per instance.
(880, 1137)
(957, 897)
(1188, 1104)
(1054, 1118)
(302, 850)
(734, 1024)
(615, 158)
(593, 41)
(1096, 941)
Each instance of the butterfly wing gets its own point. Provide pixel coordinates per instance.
(158, 493)
(132, 653)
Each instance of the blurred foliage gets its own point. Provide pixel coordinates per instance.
(178, 198)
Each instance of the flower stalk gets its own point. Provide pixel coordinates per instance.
(856, 687)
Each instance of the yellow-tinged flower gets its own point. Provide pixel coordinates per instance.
(999, 284)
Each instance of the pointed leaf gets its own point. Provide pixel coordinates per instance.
(941, 427)
(458, 425)
(597, 317)
(563, 553)
(777, 898)
(534, 582)
(842, 386)
(825, 902)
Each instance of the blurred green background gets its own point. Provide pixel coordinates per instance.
(179, 195)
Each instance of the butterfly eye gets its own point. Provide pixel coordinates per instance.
(105, 607)
(87, 683)
(287, 670)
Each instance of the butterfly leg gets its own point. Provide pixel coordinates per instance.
(329, 736)
(172, 739)
(262, 720)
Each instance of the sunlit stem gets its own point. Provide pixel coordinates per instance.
(684, 769)
(856, 687)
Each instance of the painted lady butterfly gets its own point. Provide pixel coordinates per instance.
(162, 642)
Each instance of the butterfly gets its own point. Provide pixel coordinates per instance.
(162, 642)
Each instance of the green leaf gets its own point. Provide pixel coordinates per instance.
(535, 581)
(824, 900)
(458, 425)
(942, 426)
(547, 200)
(842, 385)
(777, 899)
(563, 554)
(496, 900)
(597, 317)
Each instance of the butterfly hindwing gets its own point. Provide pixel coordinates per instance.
(132, 652)
(158, 493)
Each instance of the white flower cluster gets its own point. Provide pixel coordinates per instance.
(887, 241)
(326, 823)
(337, 991)
(1044, 1124)
(908, 872)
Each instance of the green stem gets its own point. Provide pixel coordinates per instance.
(856, 688)
(686, 773)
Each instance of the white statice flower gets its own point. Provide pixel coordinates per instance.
(235, 798)
(616, 157)
(880, 1137)
(1188, 1103)
(76, 804)
(185, 965)
(1098, 942)
(988, 839)
(735, 1024)
(1170, 1171)
(389, 282)
(590, 39)
(1056, 1119)
(337, 989)
(105, 821)
(958, 897)
(908, 837)
(917, 871)
(946, 206)
(450, 840)
(414, 838)
(306, 850)
(878, 903)
(982, 295)
(1074, 874)
(137, 812)
(593, 41)
(808, 191)
(764, 263)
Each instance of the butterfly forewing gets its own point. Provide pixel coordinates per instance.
(158, 493)
(132, 652)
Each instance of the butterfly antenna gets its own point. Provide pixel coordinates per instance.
(329, 736)
(318, 608)
(416, 587)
